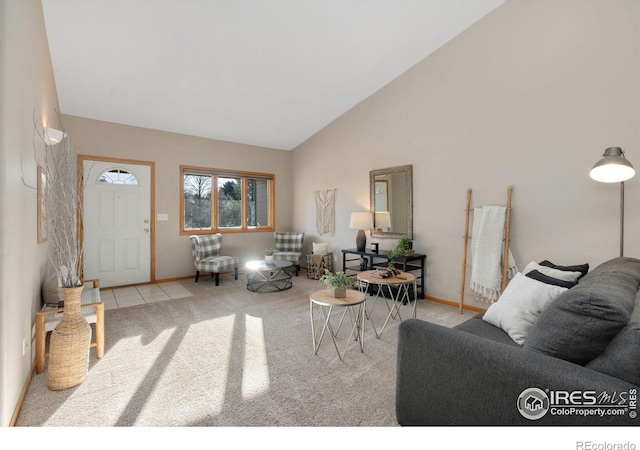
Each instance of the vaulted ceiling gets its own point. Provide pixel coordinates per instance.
(262, 72)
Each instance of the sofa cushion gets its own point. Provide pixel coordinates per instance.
(582, 322)
(630, 266)
(520, 304)
(480, 328)
(621, 358)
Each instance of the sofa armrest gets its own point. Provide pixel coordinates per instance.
(449, 377)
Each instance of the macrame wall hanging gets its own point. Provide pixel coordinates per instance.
(326, 211)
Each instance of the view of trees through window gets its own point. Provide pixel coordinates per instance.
(197, 201)
(229, 202)
(235, 197)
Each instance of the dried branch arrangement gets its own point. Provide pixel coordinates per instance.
(62, 203)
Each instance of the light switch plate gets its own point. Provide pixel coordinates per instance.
(163, 217)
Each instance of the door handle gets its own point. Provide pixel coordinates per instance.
(146, 230)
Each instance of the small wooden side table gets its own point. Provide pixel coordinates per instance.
(324, 300)
(402, 296)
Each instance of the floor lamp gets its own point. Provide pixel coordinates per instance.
(614, 168)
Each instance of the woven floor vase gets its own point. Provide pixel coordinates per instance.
(69, 344)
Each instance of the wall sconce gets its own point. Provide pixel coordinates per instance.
(614, 168)
(361, 221)
(53, 136)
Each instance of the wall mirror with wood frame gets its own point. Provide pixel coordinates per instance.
(391, 191)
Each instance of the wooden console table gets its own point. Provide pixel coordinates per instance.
(368, 260)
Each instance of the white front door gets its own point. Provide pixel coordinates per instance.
(117, 223)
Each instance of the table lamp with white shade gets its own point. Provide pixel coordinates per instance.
(361, 221)
(383, 220)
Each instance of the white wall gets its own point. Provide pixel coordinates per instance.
(530, 96)
(27, 92)
(170, 150)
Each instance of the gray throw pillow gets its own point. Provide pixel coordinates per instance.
(51, 292)
(582, 322)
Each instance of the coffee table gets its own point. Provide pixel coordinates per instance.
(274, 276)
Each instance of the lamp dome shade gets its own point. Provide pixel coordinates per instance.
(613, 167)
(53, 136)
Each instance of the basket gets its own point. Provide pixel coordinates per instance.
(69, 344)
(315, 271)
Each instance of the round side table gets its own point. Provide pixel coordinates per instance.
(401, 282)
(353, 302)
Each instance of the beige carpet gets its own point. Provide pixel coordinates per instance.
(229, 357)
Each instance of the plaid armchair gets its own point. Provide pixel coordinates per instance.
(207, 258)
(289, 246)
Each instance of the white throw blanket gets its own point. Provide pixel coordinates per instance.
(487, 246)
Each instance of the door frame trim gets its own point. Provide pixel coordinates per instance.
(152, 200)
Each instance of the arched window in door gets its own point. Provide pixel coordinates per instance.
(118, 176)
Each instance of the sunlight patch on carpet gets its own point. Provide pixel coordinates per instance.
(175, 362)
(255, 373)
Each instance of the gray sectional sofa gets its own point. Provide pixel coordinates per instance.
(579, 364)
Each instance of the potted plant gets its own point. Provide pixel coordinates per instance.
(403, 248)
(337, 283)
(268, 254)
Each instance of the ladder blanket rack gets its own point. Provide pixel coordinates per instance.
(504, 266)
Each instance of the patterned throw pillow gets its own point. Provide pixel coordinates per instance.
(582, 268)
(550, 280)
(564, 275)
